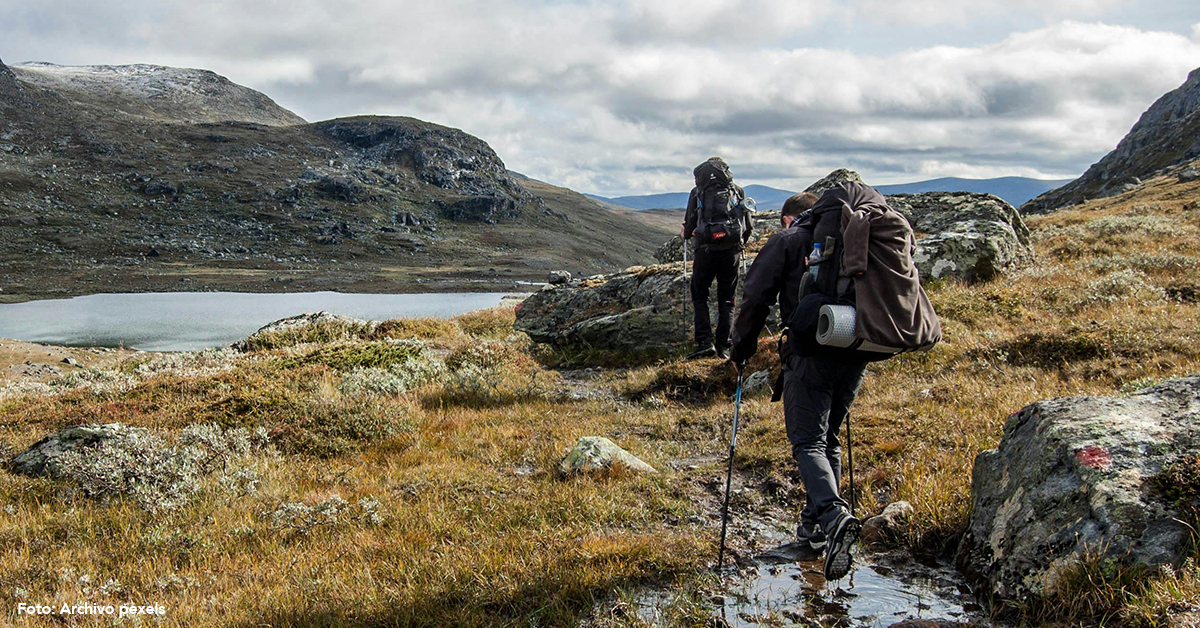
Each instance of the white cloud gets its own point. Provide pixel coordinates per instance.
(624, 97)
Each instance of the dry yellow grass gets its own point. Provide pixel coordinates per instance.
(477, 530)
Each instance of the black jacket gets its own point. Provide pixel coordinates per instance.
(691, 217)
(774, 277)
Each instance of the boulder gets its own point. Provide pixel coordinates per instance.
(1189, 174)
(887, 525)
(832, 180)
(1075, 477)
(488, 209)
(640, 309)
(671, 251)
(558, 277)
(597, 454)
(41, 458)
(968, 236)
(295, 323)
(757, 383)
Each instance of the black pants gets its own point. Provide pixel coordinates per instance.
(723, 266)
(817, 393)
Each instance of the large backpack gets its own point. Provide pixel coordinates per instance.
(867, 302)
(719, 218)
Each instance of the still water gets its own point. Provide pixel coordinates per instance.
(188, 321)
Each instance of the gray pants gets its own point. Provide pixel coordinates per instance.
(817, 393)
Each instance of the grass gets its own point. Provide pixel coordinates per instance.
(470, 525)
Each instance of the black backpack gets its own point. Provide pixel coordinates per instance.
(719, 218)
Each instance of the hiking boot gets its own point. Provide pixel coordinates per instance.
(837, 556)
(723, 353)
(811, 534)
(703, 352)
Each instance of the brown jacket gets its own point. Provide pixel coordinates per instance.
(893, 309)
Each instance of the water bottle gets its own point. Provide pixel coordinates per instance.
(814, 260)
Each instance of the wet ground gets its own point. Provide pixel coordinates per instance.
(771, 581)
(784, 587)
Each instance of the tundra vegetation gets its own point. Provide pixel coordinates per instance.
(403, 474)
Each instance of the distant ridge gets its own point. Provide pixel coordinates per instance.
(1015, 190)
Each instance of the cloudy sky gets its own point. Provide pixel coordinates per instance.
(625, 96)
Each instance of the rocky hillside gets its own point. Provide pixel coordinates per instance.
(140, 178)
(1167, 134)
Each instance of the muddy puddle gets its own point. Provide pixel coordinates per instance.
(785, 588)
(881, 590)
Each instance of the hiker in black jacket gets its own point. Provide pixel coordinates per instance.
(721, 230)
(817, 390)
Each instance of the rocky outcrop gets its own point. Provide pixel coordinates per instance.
(300, 322)
(485, 209)
(640, 309)
(593, 454)
(447, 158)
(832, 180)
(41, 457)
(1168, 133)
(1074, 478)
(969, 236)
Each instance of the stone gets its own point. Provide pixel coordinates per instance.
(888, 525)
(930, 623)
(558, 277)
(671, 251)
(160, 187)
(833, 180)
(1073, 477)
(1189, 174)
(486, 209)
(968, 236)
(307, 319)
(597, 454)
(70, 361)
(40, 460)
(757, 383)
(640, 309)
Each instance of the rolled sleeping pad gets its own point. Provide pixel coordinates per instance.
(835, 328)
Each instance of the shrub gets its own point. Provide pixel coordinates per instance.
(1146, 262)
(302, 518)
(348, 356)
(496, 322)
(324, 332)
(1137, 225)
(491, 372)
(1120, 285)
(419, 328)
(157, 474)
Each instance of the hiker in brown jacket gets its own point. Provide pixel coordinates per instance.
(873, 270)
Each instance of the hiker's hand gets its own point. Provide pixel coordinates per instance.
(683, 233)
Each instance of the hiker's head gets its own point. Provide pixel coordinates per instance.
(795, 206)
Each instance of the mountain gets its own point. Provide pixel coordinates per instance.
(1168, 133)
(1015, 190)
(146, 178)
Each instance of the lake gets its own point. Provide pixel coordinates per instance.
(189, 321)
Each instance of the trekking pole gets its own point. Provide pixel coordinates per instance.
(850, 458)
(737, 405)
